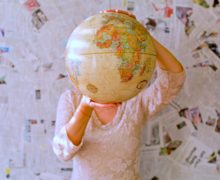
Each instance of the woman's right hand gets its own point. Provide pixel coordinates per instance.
(85, 106)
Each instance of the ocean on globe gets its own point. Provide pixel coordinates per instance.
(110, 57)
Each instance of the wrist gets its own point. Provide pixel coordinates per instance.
(84, 109)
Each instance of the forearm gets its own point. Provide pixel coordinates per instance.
(76, 126)
(165, 59)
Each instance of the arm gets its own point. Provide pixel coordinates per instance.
(70, 125)
(77, 125)
(169, 81)
(165, 59)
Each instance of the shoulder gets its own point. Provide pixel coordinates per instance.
(72, 96)
(133, 105)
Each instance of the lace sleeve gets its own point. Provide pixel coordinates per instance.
(62, 146)
(162, 90)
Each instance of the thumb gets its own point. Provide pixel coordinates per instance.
(86, 101)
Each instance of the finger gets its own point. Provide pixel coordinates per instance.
(86, 100)
(100, 105)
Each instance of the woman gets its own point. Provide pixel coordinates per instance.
(104, 139)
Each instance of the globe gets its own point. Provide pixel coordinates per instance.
(110, 57)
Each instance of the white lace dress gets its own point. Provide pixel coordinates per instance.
(111, 151)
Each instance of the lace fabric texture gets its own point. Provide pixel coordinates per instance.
(111, 151)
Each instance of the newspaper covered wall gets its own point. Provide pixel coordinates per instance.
(181, 142)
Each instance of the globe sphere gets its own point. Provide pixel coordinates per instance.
(110, 57)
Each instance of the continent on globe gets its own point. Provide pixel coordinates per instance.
(128, 45)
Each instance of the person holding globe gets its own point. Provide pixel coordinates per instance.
(110, 59)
